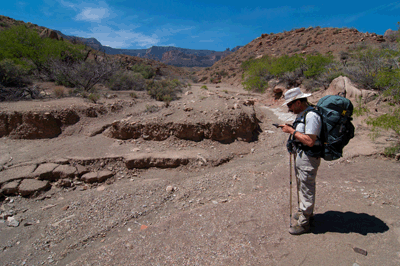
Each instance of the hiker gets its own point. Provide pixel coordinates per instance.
(303, 143)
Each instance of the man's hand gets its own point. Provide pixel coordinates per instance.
(287, 128)
(308, 140)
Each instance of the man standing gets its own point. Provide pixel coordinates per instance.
(305, 145)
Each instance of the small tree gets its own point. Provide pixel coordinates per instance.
(85, 74)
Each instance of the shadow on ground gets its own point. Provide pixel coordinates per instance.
(347, 222)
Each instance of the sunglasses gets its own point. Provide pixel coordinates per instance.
(290, 104)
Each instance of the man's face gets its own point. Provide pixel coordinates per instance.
(294, 107)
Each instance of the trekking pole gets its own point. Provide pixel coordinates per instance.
(290, 201)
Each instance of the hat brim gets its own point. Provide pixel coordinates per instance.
(305, 95)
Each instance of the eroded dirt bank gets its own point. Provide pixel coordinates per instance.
(182, 201)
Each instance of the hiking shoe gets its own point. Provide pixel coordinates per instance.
(299, 229)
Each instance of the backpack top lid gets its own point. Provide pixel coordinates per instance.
(337, 103)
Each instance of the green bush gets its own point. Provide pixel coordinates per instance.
(366, 64)
(392, 150)
(315, 65)
(389, 81)
(25, 47)
(126, 80)
(13, 75)
(164, 90)
(387, 121)
(286, 68)
(146, 71)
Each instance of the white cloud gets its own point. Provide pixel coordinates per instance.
(119, 38)
(391, 7)
(93, 14)
(67, 4)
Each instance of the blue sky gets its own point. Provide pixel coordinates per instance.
(213, 25)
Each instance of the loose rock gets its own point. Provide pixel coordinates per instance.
(12, 222)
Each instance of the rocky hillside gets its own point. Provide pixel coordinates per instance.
(166, 54)
(170, 55)
(297, 41)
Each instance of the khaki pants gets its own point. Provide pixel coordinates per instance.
(306, 172)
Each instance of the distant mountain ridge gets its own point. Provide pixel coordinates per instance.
(170, 55)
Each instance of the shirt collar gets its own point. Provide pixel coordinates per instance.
(306, 110)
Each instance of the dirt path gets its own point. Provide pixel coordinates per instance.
(232, 213)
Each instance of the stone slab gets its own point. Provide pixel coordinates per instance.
(30, 186)
(16, 173)
(100, 176)
(10, 188)
(45, 171)
(65, 171)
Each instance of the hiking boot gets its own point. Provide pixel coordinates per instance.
(299, 229)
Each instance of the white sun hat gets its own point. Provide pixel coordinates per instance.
(294, 94)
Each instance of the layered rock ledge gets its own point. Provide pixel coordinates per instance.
(242, 127)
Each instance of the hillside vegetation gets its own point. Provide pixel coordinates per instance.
(28, 56)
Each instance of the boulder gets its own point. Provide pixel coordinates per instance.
(344, 87)
(30, 186)
(48, 33)
(391, 34)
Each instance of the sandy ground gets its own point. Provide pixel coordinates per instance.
(236, 213)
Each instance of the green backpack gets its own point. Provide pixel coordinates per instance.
(337, 129)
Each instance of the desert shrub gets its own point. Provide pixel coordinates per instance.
(84, 74)
(366, 64)
(25, 47)
(13, 75)
(222, 73)
(92, 96)
(164, 90)
(289, 69)
(146, 71)
(126, 80)
(315, 65)
(255, 74)
(204, 87)
(389, 81)
(152, 108)
(359, 108)
(389, 121)
(59, 92)
(392, 150)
